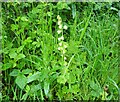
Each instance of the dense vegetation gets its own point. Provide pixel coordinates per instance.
(59, 51)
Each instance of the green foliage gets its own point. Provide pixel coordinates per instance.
(32, 65)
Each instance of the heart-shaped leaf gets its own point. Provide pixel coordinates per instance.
(21, 81)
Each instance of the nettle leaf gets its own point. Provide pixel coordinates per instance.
(20, 56)
(15, 72)
(21, 81)
(33, 77)
(26, 71)
(46, 87)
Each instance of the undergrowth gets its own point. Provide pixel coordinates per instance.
(59, 51)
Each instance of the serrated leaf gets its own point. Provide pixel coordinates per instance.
(21, 81)
(15, 72)
(35, 76)
(26, 71)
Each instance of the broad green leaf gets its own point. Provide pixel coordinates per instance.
(21, 81)
(26, 71)
(75, 89)
(7, 66)
(12, 54)
(44, 74)
(33, 77)
(24, 18)
(20, 56)
(15, 72)
(46, 87)
(94, 86)
(19, 49)
(35, 88)
(61, 79)
(72, 78)
(14, 27)
(28, 40)
(94, 93)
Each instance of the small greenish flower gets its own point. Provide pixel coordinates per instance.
(59, 22)
(60, 44)
(59, 31)
(60, 26)
(64, 51)
(65, 58)
(65, 46)
(65, 27)
(61, 38)
(58, 17)
(60, 48)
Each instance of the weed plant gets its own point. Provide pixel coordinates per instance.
(59, 51)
